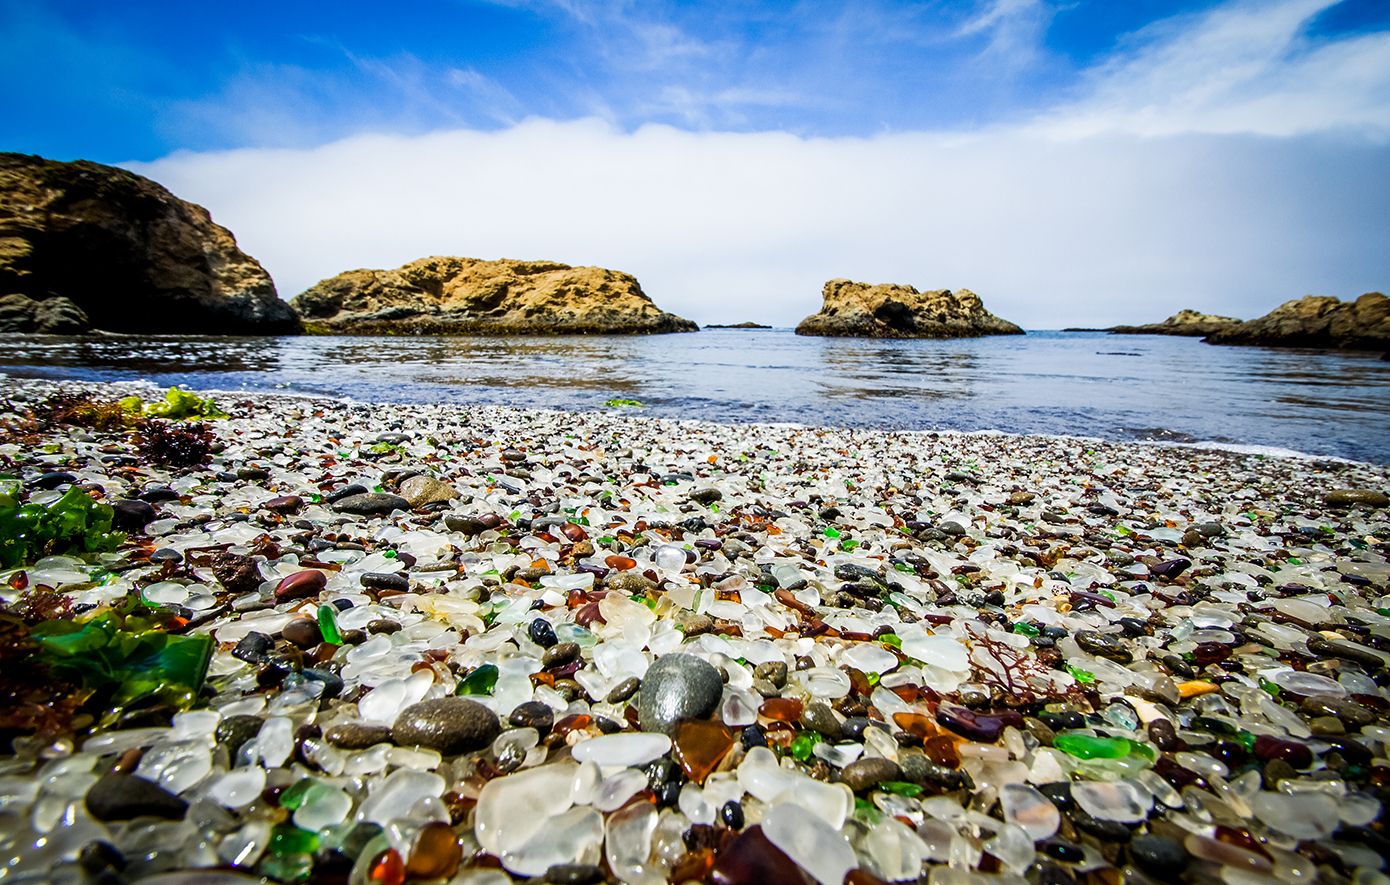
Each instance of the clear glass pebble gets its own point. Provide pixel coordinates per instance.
(238, 788)
(813, 844)
(622, 749)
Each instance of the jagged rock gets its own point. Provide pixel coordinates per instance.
(859, 310)
(92, 245)
(1317, 321)
(467, 296)
(1189, 323)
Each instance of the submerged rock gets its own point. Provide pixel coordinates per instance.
(468, 296)
(92, 245)
(861, 310)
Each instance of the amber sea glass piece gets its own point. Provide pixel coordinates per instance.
(782, 709)
(942, 750)
(916, 724)
(436, 854)
(699, 746)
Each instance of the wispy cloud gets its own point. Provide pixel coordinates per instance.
(1242, 67)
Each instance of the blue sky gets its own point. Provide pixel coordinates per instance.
(1097, 156)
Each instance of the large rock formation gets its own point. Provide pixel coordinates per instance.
(468, 296)
(1185, 322)
(859, 310)
(1317, 321)
(82, 243)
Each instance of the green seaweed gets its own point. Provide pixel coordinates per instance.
(127, 656)
(615, 403)
(178, 405)
(72, 525)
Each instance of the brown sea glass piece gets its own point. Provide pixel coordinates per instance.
(782, 709)
(436, 854)
(700, 745)
(942, 750)
(916, 724)
(751, 859)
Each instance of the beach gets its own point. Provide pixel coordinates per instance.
(890, 654)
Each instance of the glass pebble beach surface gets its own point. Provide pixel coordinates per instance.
(342, 643)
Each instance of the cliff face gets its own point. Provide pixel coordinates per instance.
(85, 244)
(467, 296)
(1317, 321)
(1184, 322)
(859, 310)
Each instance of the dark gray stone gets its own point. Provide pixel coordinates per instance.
(449, 725)
(1158, 856)
(678, 686)
(371, 504)
(818, 717)
(125, 796)
(237, 730)
(357, 735)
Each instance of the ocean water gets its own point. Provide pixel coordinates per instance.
(1132, 387)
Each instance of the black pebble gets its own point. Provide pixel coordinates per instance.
(51, 480)
(253, 648)
(1063, 851)
(132, 516)
(667, 794)
(542, 633)
(1059, 794)
(607, 726)
(753, 736)
(573, 874)
(1054, 874)
(97, 855)
(345, 492)
(1158, 856)
(854, 728)
(1104, 830)
(385, 581)
(332, 682)
(732, 815)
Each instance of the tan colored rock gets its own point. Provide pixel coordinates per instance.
(468, 296)
(422, 490)
(1185, 322)
(87, 242)
(1317, 321)
(859, 310)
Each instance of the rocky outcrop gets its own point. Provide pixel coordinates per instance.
(83, 244)
(1188, 323)
(859, 310)
(468, 296)
(1317, 321)
(747, 325)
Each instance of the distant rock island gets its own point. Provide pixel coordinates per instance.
(1316, 321)
(85, 246)
(861, 310)
(469, 296)
(1188, 323)
(749, 325)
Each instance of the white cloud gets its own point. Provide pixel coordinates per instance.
(1225, 163)
(1242, 67)
(727, 227)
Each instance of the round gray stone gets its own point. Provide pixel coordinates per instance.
(449, 725)
(678, 686)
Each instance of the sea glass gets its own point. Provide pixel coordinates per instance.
(700, 746)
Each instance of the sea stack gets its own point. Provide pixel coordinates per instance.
(1317, 321)
(1187, 323)
(85, 246)
(469, 296)
(861, 310)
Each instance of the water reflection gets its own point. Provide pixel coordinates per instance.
(1077, 383)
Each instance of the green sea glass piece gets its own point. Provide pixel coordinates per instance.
(293, 797)
(328, 625)
(802, 746)
(1086, 747)
(901, 788)
(289, 839)
(481, 681)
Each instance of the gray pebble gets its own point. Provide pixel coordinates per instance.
(868, 773)
(357, 735)
(449, 725)
(678, 686)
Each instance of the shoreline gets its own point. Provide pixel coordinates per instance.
(1018, 614)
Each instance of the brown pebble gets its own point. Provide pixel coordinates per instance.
(695, 625)
(1350, 712)
(1327, 725)
(383, 625)
(560, 654)
(1164, 735)
(301, 585)
(532, 714)
(284, 504)
(303, 632)
(357, 735)
(868, 773)
(623, 690)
